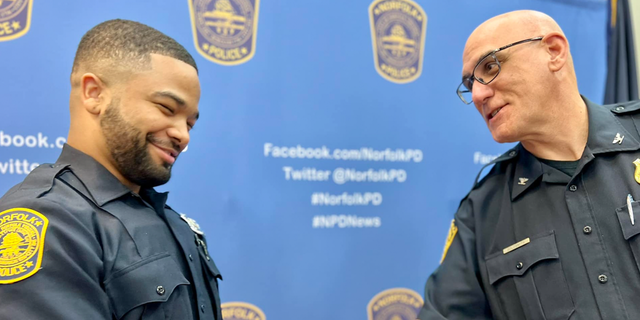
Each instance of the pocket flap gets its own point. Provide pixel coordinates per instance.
(213, 269)
(150, 280)
(518, 261)
(629, 230)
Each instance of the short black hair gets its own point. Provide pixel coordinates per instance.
(117, 44)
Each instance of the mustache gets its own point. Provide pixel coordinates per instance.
(164, 143)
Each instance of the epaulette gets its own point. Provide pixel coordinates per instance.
(40, 180)
(624, 107)
(508, 155)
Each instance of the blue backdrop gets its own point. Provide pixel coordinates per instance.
(312, 237)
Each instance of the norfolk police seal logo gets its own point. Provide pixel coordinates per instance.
(395, 304)
(398, 29)
(21, 240)
(224, 31)
(15, 18)
(241, 311)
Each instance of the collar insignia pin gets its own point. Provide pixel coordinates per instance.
(618, 139)
(522, 181)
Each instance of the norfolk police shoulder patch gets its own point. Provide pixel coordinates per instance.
(22, 234)
(241, 311)
(396, 303)
(453, 230)
(15, 18)
(224, 31)
(398, 30)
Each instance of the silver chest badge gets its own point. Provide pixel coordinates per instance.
(192, 224)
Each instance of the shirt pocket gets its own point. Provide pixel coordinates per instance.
(155, 279)
(532, 277)
(631, 232)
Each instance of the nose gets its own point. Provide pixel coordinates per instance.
(179, 135)
(480, 93)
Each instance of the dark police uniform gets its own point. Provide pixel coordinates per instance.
(535, 243)
(104, 251)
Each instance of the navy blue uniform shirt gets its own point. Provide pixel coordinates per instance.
(534, 243)
(76, 244)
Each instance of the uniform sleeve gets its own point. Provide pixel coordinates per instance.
(68, 284)
(454, 290)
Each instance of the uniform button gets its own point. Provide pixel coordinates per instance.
(191, 257)
(160, 290)
(619, 108)
(512, 153)
(208, 258)
(603, 278)
(573, 188)
(202, 308)
(586, 229)
(519, 265)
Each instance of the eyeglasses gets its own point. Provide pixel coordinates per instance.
(485, 71)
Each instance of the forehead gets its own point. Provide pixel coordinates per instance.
(168, 75)
(489, 36)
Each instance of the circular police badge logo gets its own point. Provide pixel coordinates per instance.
(11, 8)
(398, 40)
(22, 234)
(224, 31)
(398, 29)
(225, 23)
(241, 311)
(395, 304)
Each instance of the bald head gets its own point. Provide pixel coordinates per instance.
(508, 28)
(517, 24)
(518, 70)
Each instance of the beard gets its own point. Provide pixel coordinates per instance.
(129, 149)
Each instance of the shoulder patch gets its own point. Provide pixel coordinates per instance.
(22, 234)
(453, 230)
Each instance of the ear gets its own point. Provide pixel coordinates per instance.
(557, 47)
(94, 93)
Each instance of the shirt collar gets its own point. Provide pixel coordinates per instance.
(603, 129)
(101, 184)
(528, 170)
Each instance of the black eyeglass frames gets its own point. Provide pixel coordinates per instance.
(485, 71)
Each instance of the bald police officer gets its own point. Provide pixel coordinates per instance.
(88, 237)
(549, 233)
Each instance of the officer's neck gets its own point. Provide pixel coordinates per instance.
(564, 137)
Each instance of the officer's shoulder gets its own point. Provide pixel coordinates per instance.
(624, 108)
(37, 183)
(497, 167)
(495, 178)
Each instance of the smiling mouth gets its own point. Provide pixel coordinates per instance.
(169, 155)
(494, 113)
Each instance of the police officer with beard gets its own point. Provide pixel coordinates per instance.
(88, 237)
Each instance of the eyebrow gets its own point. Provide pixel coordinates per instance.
(484, 55)
(168, 94)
